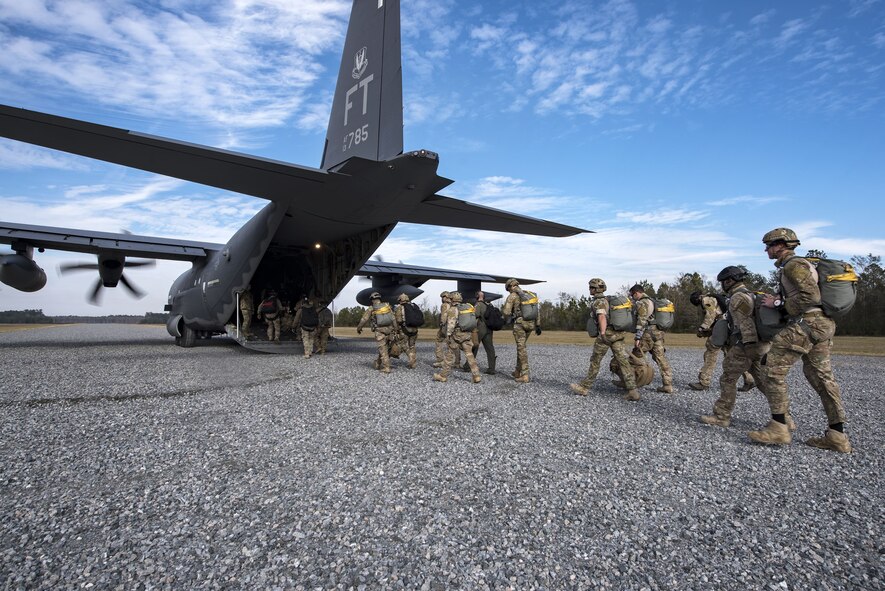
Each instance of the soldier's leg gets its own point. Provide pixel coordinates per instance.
(489, 345)
(600, 348)
(818, 371)
(307, 341)
(619, 350)
(733, 366)
(449, 357)
(522, 355)
(441, 348)
(659, 355)
(517, 334)
(413, 353)
(467, 347)
(787, 347)
(383, 357)
(711, 354)
(246, 325)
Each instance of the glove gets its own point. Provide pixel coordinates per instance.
(538, 330)
(359, 330)
(704, 333)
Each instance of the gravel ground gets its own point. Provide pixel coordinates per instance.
(129, 463)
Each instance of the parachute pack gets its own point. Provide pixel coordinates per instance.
(665, 313)
(620, 316)
(268, 306)
(838, 285)
(493, 317)
(383, 314)
(466, 317)
(309, 318)
(528, 302)
(412, 315)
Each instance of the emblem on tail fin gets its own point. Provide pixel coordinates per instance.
(360, 62)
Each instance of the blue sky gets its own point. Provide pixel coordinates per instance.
(679, 131)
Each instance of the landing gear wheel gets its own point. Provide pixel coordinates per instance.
(187, 338)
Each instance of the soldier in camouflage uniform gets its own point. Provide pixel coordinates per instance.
(745, 353)
(441, 342)
(484, 335)
(608, 339)
(304, 317)
(272, 318)
(808, 336)
(247, 309)
(383, 334)
(522, 328)
(409, 333)
(649, 337)
(713, 312)
(457, 340)
(325, 323)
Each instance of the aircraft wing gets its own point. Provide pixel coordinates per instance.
(416, 275)
(445, 211)
(232, 171)
(88, 241)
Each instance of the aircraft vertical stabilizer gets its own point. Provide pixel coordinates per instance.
(367, 109)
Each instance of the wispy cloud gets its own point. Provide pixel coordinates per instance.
(749, 200)
(662, 217)
(18, 156)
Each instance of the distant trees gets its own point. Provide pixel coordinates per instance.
(24, 317)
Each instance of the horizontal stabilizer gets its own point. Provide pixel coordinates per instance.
(445, 211)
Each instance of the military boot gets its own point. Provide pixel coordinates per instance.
(522, 379)
(477, 378)
(791, 424)
(439, 378)
(377, 364)
(748, 385)
(632, 395)
(665, 389)
(578, 389)
(619, 383)
(516, 373)
(385, 369)
(774, 433)
(715, 420)
(491, 371)
(698, 386)
(833, 440)
(438, 364)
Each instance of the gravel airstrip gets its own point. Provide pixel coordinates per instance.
(129, 463)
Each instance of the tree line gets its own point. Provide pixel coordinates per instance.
(570, 311)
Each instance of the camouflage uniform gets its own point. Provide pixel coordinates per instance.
(617, 341)
(383, 334)
(808, 336)
(307, 333)
(247, 309)
(272, 319)
(744, 355)
(522, 328)
(441, 342)
(458, 340)
(409, 333)
(325, 323)
(485, 336)
(651, 338)
(712, 314)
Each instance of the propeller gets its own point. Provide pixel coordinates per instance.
(110, 273)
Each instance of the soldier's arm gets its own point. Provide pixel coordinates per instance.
(741, 309)
(365, 319)
(451, 320)
(808, 294)
(711, 310)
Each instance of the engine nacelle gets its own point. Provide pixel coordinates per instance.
(389, 293)
(22, 273)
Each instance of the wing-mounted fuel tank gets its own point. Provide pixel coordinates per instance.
(19, 270)
(204, 297)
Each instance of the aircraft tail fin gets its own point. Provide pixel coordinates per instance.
(367, 108)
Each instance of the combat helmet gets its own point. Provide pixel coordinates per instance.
(731, 272)
(511, 283)
(695, 298)
(782, 235)
(444, 295)
(455, 297)
(597, 283)
(403, 298)
(375, 296)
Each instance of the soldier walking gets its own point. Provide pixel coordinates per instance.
(270, 310)
(383, 323)
(459, 326)
(307, 318)
(324, 323)
(607, 338)
(517, 302)
(714, 311)
(808, 336)
(441, 343)
(649, 337)
(484, 334)
(409, 332)
(247, 308)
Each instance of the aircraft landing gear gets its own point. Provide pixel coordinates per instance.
(187, 338)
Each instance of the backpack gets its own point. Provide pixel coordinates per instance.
(719, 332)
(309, 318)
(838, 285)
(412, 315)
(768, 321)
(466, 317)
(493, 317)
(383, 314)
(268, 306)
(528, 305)
(722, 300)
(620, 315)
(665, 312)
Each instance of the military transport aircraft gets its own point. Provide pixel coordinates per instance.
(320, 226)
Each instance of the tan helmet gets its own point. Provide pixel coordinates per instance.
(597, 283)
(782, 235)
(456, 297)
(444, 295)
(511, 283)
(375, 296)
(403, 298)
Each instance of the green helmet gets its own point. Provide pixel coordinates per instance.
(403, 298)
(455, 297)
(782, 235)
(597, 283)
